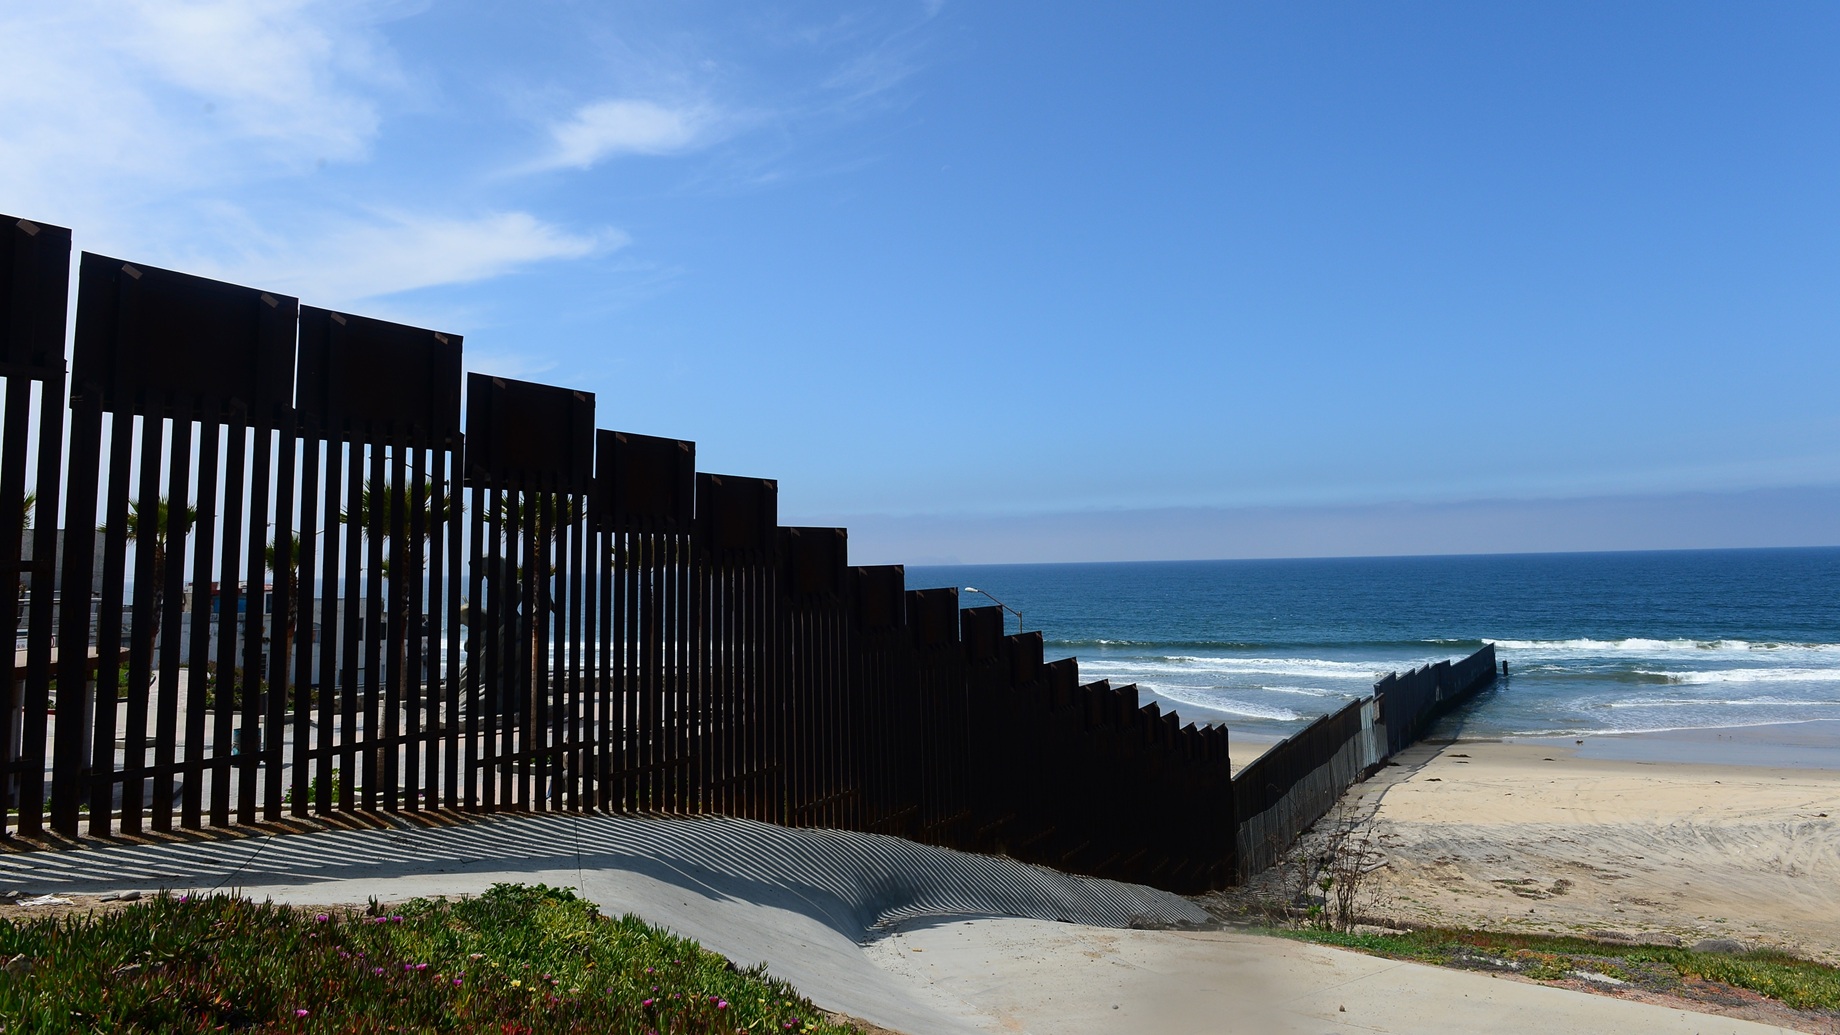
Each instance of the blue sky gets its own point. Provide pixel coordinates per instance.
(1191, 280)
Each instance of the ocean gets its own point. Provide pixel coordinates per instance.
(1595, 642)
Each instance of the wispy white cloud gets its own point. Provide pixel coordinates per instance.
(295, 74)
(625, 126)
(392, 252)
(265, 140)
(165, 129)
(740, 89)
(106, 104)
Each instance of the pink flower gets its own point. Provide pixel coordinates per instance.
(300, 1013)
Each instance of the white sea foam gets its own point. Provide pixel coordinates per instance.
(1183, 664)
(1701, 702)
(1612, 731)
(1227, 705)
(1644, 646)
(1750, 675)
(1305, 691)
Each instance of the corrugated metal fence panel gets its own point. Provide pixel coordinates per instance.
(373, 397)
(945, 754)
(34, 306)
(648, 702)
(885, 689)
(817, 734)
(164, 360)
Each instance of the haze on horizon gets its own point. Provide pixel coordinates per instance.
(1031, 282)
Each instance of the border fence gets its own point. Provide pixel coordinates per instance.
(314, 587)
(270, 567)
(1280, 794)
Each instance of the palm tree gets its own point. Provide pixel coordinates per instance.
(149, 531)
(292, 622)
(26, 506)
(391, 498)
(516, 618)
(384, 504)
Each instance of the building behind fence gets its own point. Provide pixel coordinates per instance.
(315, 589)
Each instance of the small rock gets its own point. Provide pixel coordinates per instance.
(1672, 941)
(1610, 936)
(121, 896)
(13, 895)
(1343, 1008)
(1726, 945)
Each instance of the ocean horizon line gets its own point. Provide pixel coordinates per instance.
(1498, 554)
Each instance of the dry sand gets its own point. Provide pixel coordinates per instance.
(1531, 836)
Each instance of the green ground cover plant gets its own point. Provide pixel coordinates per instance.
(1797, 983)
(517, 960)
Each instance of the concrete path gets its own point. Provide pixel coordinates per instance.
(1010, 975)
(1003, 947)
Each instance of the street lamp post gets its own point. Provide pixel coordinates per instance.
(999, 603)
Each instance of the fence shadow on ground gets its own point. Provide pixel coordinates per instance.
(852, 882)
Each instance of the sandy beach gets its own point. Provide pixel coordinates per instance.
(1615, 836)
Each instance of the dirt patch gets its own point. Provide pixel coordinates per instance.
(860, 1025)
(78, 905)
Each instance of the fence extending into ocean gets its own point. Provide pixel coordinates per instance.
(268, 570)
(1298, 780)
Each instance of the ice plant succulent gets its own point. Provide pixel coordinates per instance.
(230, 964)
